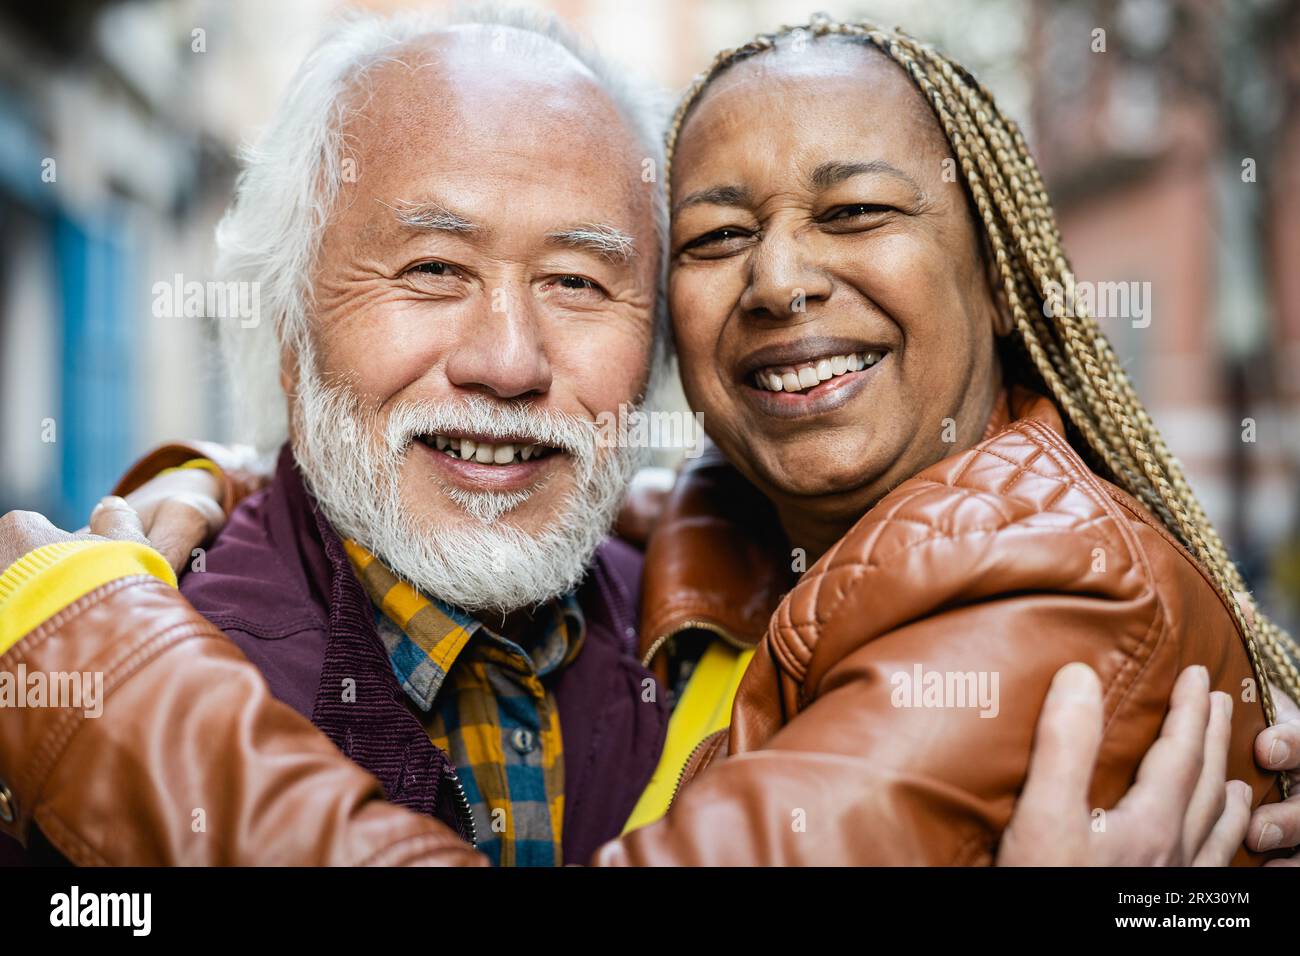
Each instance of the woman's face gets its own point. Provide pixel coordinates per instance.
(831, 305)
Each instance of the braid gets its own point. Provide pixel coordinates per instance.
(1069, 353)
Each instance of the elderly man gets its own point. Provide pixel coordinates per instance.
(440, 602)
(425, 578)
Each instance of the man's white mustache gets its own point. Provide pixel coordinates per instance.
(477, 415)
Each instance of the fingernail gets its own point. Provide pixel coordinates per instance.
(1074, 679)
(1202, 676)
(1244, 793)
(1279, 753)
(1269, 837)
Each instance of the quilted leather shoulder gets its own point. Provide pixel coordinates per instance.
(1018, 513)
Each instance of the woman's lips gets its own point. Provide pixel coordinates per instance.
(807, 374)
(825, 396)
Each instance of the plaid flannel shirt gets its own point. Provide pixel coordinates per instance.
(496, 719)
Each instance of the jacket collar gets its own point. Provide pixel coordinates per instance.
(718, 559)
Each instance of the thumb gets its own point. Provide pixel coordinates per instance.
(114, 518)
(1065, 744)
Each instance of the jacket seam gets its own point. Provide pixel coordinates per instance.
(66, 840)
(54, 742)
(59, 737)
(1122, 686)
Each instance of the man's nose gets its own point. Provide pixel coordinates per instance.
(501, 351)
(782, 278)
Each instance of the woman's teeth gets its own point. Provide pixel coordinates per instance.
(797, 378)
(485, 453)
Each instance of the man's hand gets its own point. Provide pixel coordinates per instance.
(1276, 825)
(1179, 811)
(24, 531)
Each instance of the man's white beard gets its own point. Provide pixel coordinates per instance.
(478, 561)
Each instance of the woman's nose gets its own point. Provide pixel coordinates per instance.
(783, 279)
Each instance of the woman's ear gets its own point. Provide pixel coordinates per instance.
(1001, 319)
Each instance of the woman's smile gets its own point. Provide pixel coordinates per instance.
(813, 379)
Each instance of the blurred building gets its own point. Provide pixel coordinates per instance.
(1173, 156)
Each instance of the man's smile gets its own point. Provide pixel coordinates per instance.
(483, 464)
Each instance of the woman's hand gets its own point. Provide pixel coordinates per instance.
(1179, 812)
(179, 511)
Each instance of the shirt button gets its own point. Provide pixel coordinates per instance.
(523, 740)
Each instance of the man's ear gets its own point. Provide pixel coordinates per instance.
(1001, 319)
(288, 370)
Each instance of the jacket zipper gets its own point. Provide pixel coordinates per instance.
(690, 759)
(722, 632)
(658, 643)
(463, 811)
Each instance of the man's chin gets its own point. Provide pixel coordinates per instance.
(526, 502)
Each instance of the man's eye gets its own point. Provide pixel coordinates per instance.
(433, 269)
(577, 282)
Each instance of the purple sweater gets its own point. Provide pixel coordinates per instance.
(278, 583)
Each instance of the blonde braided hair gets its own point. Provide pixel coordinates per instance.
(1069, 354)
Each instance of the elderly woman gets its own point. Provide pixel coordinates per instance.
(858, 245)
(859, 238)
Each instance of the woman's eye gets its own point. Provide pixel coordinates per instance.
(854, 211)
(716, 241)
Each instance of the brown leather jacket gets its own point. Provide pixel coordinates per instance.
(1000, 563)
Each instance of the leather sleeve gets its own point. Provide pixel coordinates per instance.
(878, 771)
(240, 474)
(189, 760)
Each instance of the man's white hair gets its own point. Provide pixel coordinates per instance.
(271, 232)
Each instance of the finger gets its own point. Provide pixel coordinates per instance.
(1207, 799)
(1170, 769)
(1065, 744)
(1275, 825)
(1278, 747)
(1228, 832)
(114, 518)
(1287, 709)
(178, 527)
(22, 532)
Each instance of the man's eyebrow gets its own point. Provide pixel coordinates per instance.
(714, 196)
(602, 240)
(431, 216)
(830, 174)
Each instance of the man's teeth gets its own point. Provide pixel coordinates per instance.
(805, 375)
(486, 453)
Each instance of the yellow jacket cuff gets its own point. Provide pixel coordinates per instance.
(40, 584)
